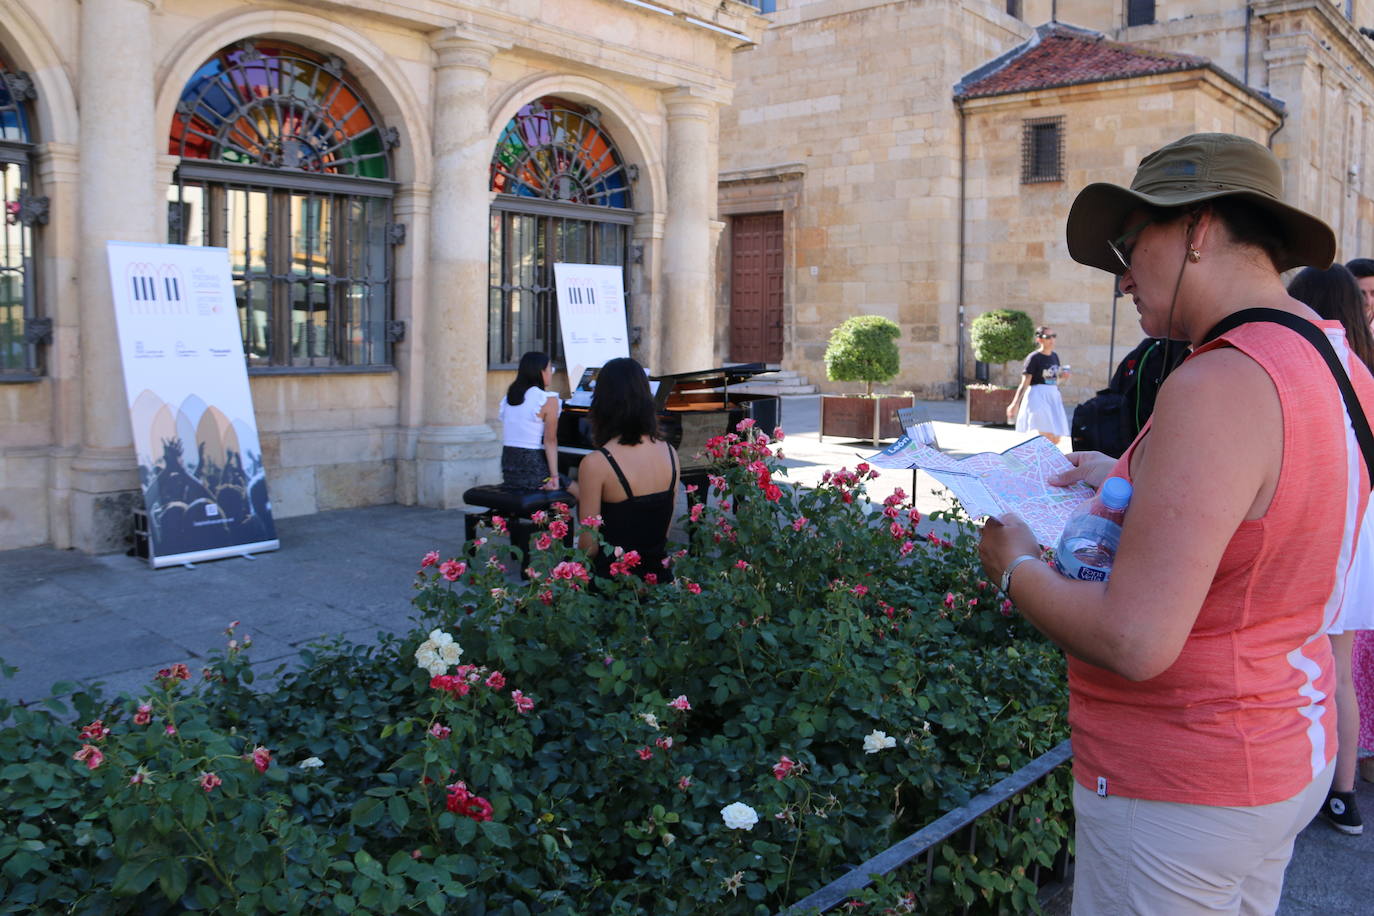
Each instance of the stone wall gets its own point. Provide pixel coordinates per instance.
(1017, 256)
(860, 94)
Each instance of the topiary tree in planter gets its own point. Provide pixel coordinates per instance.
(1002, 336)
(999, 336)
(863, 349)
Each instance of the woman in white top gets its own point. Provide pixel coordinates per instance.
(529, 417)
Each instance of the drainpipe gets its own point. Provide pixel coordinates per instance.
(963, 168)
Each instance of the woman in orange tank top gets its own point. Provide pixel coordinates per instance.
(1200, 674)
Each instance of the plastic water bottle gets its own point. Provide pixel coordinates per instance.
(1088, 545)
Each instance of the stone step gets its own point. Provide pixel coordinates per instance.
(779, 382)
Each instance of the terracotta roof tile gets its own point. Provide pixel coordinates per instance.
(1063, 55)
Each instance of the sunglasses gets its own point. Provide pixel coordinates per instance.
(1047, 336)
(1121, 245)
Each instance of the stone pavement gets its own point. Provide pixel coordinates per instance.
(68, 616)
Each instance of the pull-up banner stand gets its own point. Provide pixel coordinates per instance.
(199, 458)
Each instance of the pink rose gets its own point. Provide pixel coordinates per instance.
(440, 731)
(694, 588)
(262, 758)
(681, 703)
(784, 766)
(543, 542)
(684, 783)
(208, 781)
(430, 559)
(949, 599)
(90, 755)
(144, 715)
(523, 704)
(452, 570)
(496, 681)
(558, 529)
(664, 743)
(644, 753)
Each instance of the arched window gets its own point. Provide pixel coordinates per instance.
(21, 330)
(563, 195)
(284, 163)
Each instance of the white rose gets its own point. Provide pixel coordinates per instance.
(311, 763)
(877, 741)
(650, 719)
(739, 816)
(427, 657)
(450, 652)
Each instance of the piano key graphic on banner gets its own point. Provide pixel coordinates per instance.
(591, 313)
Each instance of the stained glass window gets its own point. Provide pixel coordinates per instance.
(563, 194)
(281, 161)
(556, 150)
(20, 329)
(280, 106)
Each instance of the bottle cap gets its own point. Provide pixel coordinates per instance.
(1116, 493)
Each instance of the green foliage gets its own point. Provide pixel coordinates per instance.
(799, 622)
(1002, 336)
(863, 349)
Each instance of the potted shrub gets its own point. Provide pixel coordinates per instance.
(999, 336)
(863, 349)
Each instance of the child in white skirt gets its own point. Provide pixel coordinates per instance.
(1037, 404)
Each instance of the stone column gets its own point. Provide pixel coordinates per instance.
(688, 340)
(59, 176)
(456, 448)
(118, 149)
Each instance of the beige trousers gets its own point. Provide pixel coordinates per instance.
(1151, 858)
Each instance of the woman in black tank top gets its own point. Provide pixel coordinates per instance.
(632, 480)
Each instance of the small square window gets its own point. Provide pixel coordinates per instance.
(1042, 150)
(1140, 12)
(1014, 8)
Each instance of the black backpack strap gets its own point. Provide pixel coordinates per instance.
(1316, 338)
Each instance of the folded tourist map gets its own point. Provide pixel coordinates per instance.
(996, 483)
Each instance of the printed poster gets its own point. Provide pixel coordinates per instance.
(591, 313)
(195, 435)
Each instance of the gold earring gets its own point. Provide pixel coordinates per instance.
(1194, 255)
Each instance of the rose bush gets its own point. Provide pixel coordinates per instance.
(816, 682)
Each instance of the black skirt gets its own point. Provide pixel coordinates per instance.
(526, 468)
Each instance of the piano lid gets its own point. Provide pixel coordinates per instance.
(725, 375)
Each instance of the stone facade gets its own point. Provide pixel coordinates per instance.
(447, 77)
(856, 101)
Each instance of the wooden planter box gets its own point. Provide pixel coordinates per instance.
(852, 416)
(988, 405)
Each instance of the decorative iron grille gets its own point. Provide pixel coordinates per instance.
(284, 164)
(21, 330)
(1042, 150)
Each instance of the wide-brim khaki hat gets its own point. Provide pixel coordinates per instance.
(1197, 168)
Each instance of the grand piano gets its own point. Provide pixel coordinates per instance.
(692, 408)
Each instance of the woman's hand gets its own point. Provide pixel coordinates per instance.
(1090, 467)
(551, 483)
(1004, 539)
(1011, 411)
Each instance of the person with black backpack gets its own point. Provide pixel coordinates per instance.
(1110, 421)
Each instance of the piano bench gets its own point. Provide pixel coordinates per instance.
(516, 505)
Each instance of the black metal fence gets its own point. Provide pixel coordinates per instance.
(960, 829)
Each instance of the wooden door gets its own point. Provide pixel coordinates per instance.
(756, 288)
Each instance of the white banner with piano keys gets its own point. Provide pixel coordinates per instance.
(591, 312)
(195, 434)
